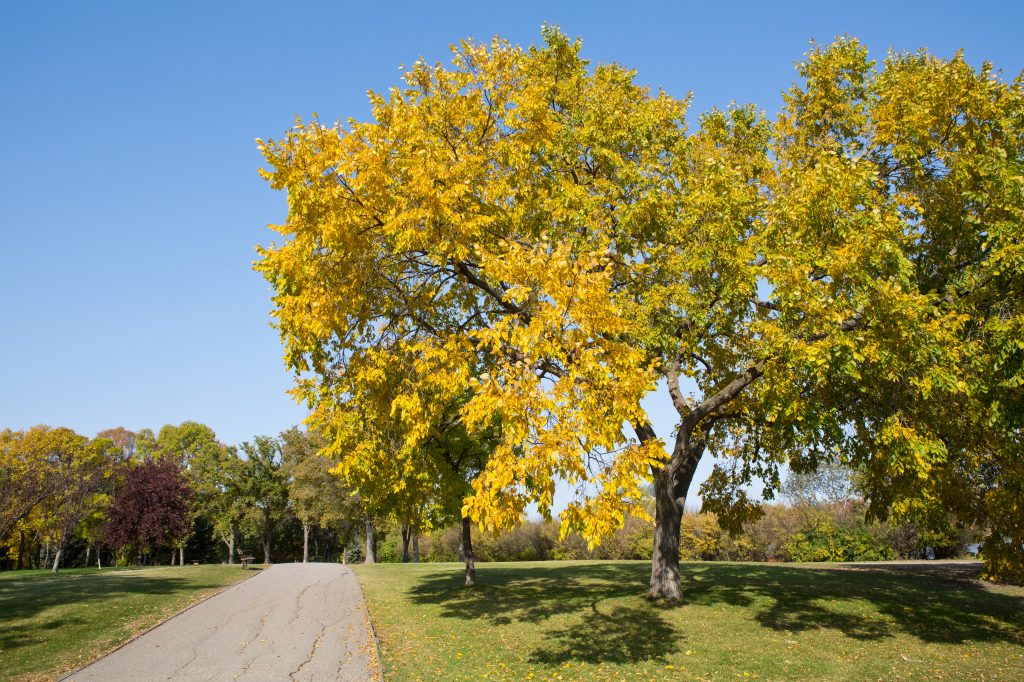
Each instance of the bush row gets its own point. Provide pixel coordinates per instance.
(804, 532)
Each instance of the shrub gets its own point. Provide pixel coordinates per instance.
(825, 540)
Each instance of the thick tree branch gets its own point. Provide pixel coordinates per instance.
(724, 396)
(466, 271)
(672, 374)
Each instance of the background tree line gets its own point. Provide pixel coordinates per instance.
(138, 497)
(172, 496)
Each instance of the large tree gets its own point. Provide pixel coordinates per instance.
(549, 238)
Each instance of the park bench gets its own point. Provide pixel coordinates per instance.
(246, 560)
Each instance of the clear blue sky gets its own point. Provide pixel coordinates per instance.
(130, 203)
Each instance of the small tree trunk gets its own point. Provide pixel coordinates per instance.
(371, 542)
(467, 552)
(21, 551)
(56, 559)
(231, 547)
(415, 547)
(181, 555)
(46, 555)
(88, 550)
(266, 549)
(405, 544)
(99, 557)
(305, 543)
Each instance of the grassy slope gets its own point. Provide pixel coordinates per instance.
(590, 621)
(52, 624)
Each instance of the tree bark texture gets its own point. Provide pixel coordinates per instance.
(467, 552)
(305, 543)
(671, 484)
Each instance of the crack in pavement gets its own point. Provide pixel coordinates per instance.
(194, 647)
(312, 653)
(259, 631)
(298, 600)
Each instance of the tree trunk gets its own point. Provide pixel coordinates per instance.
(21, 551)
(231, 548)
(467, 552)
(56, 558)
(99, 557)
(181, 555)
(371, 542)
(305, 543)
(671, 484)
(406, 536)
(415, 547)
(88, 551)
(665, 558)
(266, 549)
(46, 555)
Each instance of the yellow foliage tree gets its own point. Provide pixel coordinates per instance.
(548, 239)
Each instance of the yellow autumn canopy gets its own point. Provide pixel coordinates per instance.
(538, 242)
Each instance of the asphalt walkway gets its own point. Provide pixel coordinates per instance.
(290, 622)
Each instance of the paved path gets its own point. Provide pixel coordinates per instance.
(289, 622)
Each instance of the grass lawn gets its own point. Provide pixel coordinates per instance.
(52, 624)
(590, 621)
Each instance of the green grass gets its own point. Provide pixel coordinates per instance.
(52, 624)
(591, 621)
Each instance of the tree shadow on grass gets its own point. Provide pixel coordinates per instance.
(863, 605)
(580, 600)
(24, 601)
(620, 634)
(595, 611)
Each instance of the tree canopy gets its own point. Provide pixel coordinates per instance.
(540, 241)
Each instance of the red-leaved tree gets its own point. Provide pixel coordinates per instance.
(151, 508)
